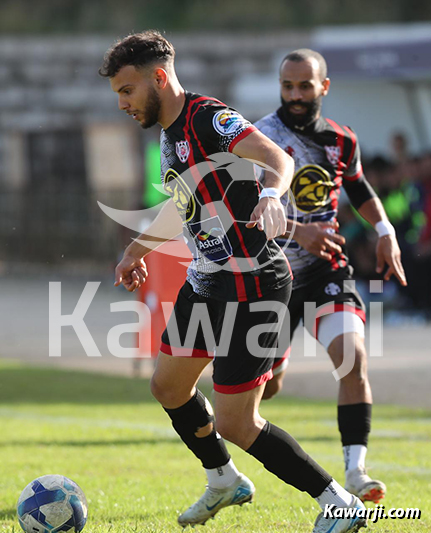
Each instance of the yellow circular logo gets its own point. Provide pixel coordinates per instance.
(311, 186)
(180, 193)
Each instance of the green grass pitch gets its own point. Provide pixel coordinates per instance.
(108, 434)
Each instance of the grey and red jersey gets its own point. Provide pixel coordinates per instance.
(230, 261)
(326, 156)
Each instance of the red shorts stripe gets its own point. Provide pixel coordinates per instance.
(244, 387)
(185, 352)
(282, 359)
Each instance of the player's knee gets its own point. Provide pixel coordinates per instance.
(359, 368)
(157, 390)
(229, 429)
(236, 430)
(166, 396)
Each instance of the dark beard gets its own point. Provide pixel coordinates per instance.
(301, 121)
(152, 110)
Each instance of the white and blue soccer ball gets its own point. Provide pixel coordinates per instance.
(52, 504)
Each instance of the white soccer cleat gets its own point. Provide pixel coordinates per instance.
(341, 525)
(241, 491)
(359, 483)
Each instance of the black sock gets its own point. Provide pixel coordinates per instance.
(188, 419)
(283, 456)
(354, 423)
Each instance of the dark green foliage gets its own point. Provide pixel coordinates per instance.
(119, 18)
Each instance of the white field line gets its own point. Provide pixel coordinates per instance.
(418, 421)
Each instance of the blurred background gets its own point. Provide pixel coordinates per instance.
(64, 145)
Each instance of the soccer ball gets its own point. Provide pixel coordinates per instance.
(52, 504)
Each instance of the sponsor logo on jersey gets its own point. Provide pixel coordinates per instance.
(183, 150)
(311, 186)
(213, 231)
(181, 195)
(211, 239)
(332, 289)
(333, 153)
(227, 122)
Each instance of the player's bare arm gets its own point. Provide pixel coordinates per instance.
(269, 214)
(131, 271)
(319, 238)
(387, 250)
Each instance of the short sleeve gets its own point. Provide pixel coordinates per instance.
(354, 166)
(221, 127)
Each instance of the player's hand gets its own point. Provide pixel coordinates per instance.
(269, 216)
(131, 272)
(388, 253)
(319, 238)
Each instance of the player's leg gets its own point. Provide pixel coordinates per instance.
(354, 400)
(174, 379)
(342, 334)
(239, 421)
(274, 385)
(239, 381)
(173, 384)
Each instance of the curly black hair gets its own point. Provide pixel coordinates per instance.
(302, 54)
(137, 49)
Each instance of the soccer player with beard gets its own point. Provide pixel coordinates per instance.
(327, 157)
(207, 199)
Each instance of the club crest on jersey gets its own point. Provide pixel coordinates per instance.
(181, 194)
(227, 122)
(333, 153)
(310, 187)
(183, 150)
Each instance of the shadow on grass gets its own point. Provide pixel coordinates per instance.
(152, 441)
(39, 385)
(36, 385)
(20, 384)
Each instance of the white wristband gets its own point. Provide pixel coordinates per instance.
(384, 227)
(269, 192)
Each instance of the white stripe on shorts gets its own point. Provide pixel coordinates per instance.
(336, 324)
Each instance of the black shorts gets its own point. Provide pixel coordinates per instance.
(330, 294)
(241, 337)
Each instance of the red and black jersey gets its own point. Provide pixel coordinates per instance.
(215, 193)
(326, 157)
